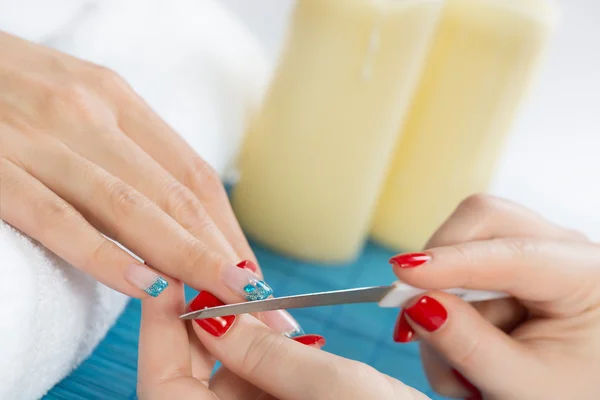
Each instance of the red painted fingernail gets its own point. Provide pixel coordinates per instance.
(475, 393)
(248, 265)
(215, 326)
(403, 332)
(411, 260)
(310, 340)
(428, 312)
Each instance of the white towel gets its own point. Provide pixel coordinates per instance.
(200, 70)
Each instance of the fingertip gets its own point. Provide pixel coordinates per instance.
(403, 331)
(409, 260)
(427, 313)
(317, 341)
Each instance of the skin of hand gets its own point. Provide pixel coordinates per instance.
(544, 343)
(176, 358)
(83, 158)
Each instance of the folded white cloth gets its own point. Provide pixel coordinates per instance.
(199, 69)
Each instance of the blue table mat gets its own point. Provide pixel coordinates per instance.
(362, 332)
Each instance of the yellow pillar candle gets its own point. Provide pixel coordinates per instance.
(316, 155)
(482, 60)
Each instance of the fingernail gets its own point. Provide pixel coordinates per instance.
(248, 265)
(411, 260)
(281, 321)
(403, 332)
(475, 393)
(145, 279)
(311, 340)
(428, 313)
(217, 326)
(245, 282)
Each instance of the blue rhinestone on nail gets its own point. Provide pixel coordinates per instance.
(257, 290)
(296, 333)
(157, 287)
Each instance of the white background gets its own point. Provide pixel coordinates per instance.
(552, 160)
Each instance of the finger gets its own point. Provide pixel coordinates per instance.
(164, 364)
(267, 360)
(468, 342)
(227, 385)
(544, 271)
(122, 158)
(31, 207)
(169, 149)
(442, 376)
(504, 314)
(481, 217)
(164, 348)
(203, 363)
(279, 321)
(130, 218)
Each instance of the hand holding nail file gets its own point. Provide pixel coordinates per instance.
(391, 296)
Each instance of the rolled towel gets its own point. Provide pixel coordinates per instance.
(202, 71)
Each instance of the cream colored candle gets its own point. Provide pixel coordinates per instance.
(483, 58)
(316, 156)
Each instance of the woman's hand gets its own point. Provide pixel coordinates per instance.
(81, 155)
(176, 360)
(543, 344)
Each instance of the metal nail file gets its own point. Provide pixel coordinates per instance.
(386, 296)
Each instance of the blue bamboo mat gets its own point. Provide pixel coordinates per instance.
(362, 332)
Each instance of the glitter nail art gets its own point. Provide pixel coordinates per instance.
(296, 333)
(257, 290)
(157, 287)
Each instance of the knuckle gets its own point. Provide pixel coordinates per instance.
(106, 77)
(479, 207)
(123, 199)
(261, 353)
(479, 201)
(53, 214)
(521, 247)
(109, 82)
(197, 259)
(183, 205)
(199, 174)
(75, 96)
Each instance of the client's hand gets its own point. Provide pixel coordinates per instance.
(81, 155)
(176, 360)
(542, 344)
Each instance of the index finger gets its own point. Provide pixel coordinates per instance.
(531, 269)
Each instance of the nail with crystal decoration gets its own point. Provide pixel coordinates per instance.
(145, 279)
(245, 282)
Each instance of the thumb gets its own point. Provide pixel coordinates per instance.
(482, 353)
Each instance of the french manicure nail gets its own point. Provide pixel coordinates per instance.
(428, 312)
(281, 321)
(217, 326)
(475, 393)
(248, 265)
(245, 282)
(145, 279)
(311, 340)
(411, 260)
(403, 332)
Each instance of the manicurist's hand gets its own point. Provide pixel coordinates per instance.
(544, 344)
(176, 358)
(82, 156)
